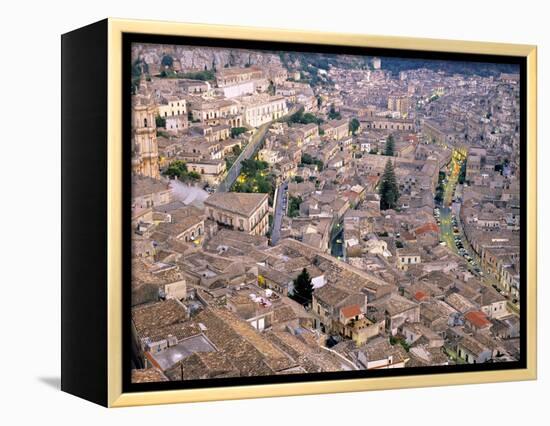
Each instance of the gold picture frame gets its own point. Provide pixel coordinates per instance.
(115, 396)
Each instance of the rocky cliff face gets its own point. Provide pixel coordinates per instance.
(192, 58)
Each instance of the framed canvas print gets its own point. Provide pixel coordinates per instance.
(250, 212)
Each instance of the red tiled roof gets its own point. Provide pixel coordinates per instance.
(478, 319)
(420, 295)
(429, 227)
(351, 311)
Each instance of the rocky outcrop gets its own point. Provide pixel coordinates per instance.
(192, 58)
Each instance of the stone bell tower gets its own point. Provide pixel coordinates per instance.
(144, 134)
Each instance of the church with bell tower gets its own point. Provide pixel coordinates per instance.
(145, 159)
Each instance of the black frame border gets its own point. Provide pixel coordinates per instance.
(129, 38)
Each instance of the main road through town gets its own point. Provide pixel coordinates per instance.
(448, 235)
(248, 152)
(446, 226)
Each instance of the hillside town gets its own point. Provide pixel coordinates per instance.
(304, 213)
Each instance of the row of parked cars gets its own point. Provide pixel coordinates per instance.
(437, 216)
(461, 250)
(455, 225)
(284, 188)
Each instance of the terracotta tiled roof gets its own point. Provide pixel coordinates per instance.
(236, 202)
(420, 295)
(330, 294)
(151, 317)
(148, 375)
(429, 227)
(351, 311)
(478, 319)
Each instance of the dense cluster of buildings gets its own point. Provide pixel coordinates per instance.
(213, 279)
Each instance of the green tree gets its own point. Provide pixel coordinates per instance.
(229, 161)
(167, 61)
(462, 173)
(307, 159)
(176, 169)
(333, 114)
(303, 288)
(251, 167)
(236, 150)
(160, 121)
(294, 206)
(194, 176)
(388, 189)
(319, 101)
(236, 131)
(139, 67)
(390, 146)
(439, 194)
(168, 73)
(206, 75)
(307, 118)
(319, 164)
(271, 89)
(263, 185)
(354, 125)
